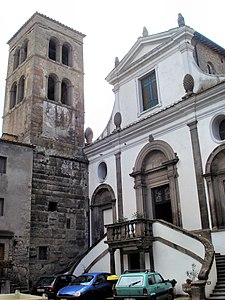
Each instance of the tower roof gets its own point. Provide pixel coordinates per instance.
(37, 14)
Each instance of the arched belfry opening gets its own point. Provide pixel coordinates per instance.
(102, 210)
(155, 176)
(215, 178)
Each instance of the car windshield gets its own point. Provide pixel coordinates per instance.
(82, 280)
(136, 280)
(45, 281)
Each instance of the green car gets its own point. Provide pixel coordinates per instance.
(143, 285)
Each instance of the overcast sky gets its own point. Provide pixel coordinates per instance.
(111, 28)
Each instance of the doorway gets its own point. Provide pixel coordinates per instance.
(134, 261)
(162, 203)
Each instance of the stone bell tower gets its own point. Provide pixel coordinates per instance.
(44, 103)
(44, 107)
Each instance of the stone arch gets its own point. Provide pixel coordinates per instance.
(103, 199)
(67, 54)
(215, 178)
(16, 58)
(155, 176)
(21, 88)
(52, 92)
(54, 49)
(13, 95)
(160, 146)
(66, 92)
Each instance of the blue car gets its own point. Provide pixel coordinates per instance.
(87, 286)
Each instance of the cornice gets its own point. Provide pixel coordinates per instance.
(173, 115)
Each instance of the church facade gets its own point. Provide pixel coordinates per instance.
(157, 171)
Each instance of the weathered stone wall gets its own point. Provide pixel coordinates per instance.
(203, 55)
(63, 181)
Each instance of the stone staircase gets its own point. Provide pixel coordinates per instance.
(219, 290)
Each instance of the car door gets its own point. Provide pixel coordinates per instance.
(101, 287)
(159, 287)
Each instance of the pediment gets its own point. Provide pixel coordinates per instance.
(145, 46)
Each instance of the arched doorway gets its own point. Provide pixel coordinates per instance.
(155, 175)
(102, 210)
(215, 177)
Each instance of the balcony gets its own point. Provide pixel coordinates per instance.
(130, 233)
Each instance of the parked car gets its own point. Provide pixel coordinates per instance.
(143, 285)
(50, 285)
(88, 286)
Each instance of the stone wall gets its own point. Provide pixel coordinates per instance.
(59, 213)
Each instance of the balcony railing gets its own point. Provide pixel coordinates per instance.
(129, 230)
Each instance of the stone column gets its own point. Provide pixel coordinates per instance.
(112, 261)
(142, 259)
(119, 185)
(199, 174)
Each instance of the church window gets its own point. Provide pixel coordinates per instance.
(210, 68)
(52, 50)
(16, 58)
(51, 87)
(65, 92)
(218, 127)
(102, 171)
(13, 95)
(149, 91)
(222, 129)
(65, 54)
(43, 251)
(21, 89)
(3, 160)
(24, 50)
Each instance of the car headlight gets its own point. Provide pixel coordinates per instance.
(77, 294)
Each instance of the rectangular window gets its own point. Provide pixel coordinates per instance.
(68, 223)
(43, 253)
(2, 246)
(149, 91)
(1, 207)
(2, 164)
(52, 206)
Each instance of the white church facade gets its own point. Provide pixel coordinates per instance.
(157, 172)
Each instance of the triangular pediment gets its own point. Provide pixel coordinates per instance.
(145, 46)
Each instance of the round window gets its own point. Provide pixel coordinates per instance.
(218, 128)
(102, 171)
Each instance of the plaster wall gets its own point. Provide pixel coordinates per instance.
(165, 263)
(15, 188)
(205, 131)
(147, 47)
(217, 239)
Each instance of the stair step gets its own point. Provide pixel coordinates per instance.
(219, 290)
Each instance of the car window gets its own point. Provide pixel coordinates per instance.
(100, 278)
(151, 279)
(158, 278)
(83, 280)
(136, 280)
(44, 281)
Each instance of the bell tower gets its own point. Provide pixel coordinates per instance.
(44, 107)
(44, 101)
